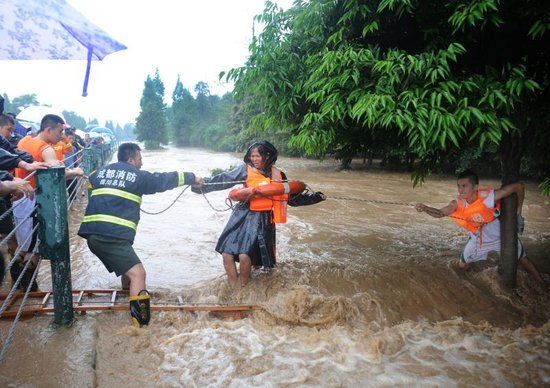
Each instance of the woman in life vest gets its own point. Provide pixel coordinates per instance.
(249, 236)
(476, 210)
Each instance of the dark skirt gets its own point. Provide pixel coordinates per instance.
(249, 232)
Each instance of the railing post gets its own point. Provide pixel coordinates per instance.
(51, 198)
(87, 160)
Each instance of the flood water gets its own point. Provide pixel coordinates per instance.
(364, 294)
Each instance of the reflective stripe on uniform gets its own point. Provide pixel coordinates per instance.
(118, 193)
(287, 187)
(181, 178)
(110, 219)
(275, 174)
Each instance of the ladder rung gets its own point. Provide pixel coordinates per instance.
(79, 299)
(45, 300)
(87, 300)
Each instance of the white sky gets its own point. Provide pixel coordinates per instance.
(193, 38)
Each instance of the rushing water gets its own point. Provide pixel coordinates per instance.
(365, 294)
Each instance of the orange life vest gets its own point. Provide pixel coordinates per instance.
(278, 204)
(61, 148)
(33, 146)
(474, 215)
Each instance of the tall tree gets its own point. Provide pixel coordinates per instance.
(128, 132)
(151, 123)
(183, 112)
(204, 114)
(74, 119)
(203, 101)
(24, 101)
(440, 75)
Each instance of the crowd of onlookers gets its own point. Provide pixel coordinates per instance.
(23, 150)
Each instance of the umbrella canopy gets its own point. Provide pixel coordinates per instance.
(51, 29)
(103, 130)
(80, 133)
(34, 114)
(90, 127)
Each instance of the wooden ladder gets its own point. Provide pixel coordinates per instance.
(39, 303)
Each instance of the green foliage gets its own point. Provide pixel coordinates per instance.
(19, 103)
(545, 187)
(74, 119)
(24, 101)
(151, 124)
(183, 114)
(410, 79)
(125, 133)
(217, 171)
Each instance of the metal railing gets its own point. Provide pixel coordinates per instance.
(54, 197)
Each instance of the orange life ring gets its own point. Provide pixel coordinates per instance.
(269, 190)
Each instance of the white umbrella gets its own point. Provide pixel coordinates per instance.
(80, 133)
(51, 29)
(34, 114)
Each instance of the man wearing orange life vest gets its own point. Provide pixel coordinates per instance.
(62, 147)
(249, 236)
(40, 148)
(476, 210)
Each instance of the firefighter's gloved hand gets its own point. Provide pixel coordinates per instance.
(521, 224)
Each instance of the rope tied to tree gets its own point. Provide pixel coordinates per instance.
(231, 206)
(408, 204)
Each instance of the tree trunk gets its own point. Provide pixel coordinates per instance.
(510, 152)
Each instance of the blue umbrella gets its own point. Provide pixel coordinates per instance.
(51, 29)
(90, 127)
(103, 130)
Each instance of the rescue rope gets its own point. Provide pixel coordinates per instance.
(372, 201)
(229, 205)
(228, 202)
(169, 206)
(225, 183)
(402, 204)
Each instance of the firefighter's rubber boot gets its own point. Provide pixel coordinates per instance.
(140, 309)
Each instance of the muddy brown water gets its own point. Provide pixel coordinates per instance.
(365, 294)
